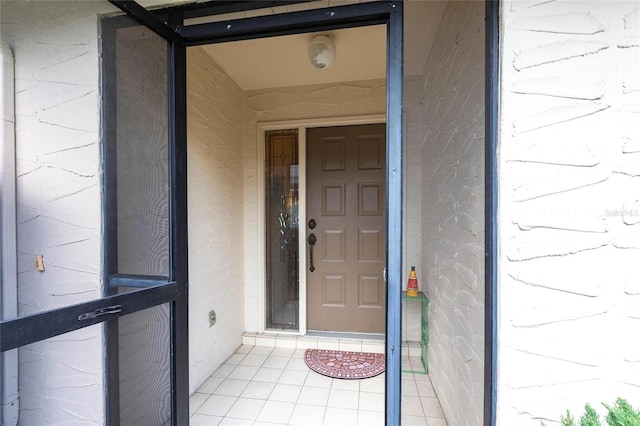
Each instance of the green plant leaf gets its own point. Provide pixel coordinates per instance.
(590, 417)
(567, 420)
(622, 414)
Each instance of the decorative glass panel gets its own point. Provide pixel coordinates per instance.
(281, 158)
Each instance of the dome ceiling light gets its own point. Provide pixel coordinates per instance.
(321, 52)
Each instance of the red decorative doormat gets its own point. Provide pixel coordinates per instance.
(344, 365)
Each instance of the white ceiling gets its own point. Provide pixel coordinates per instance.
(282, 61)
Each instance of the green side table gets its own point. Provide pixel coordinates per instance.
(424, 329)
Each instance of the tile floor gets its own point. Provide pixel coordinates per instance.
(264, 385)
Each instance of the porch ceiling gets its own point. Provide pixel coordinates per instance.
(360, 53)
(282, 61)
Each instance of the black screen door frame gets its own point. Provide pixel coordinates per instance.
(178, 246)
(149, 291)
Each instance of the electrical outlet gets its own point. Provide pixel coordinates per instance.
(212, 318)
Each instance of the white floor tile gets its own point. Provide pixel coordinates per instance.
(371, 401)
(373, 348)
(285, 343)
(196, 400)
(204, 420)
(431, 407)
(370, 418)
(350, 346)
(411, 406)
(307, 415)
(210, 384)
(374, 384)
(249, 339)
(425, 389)
(244, 349)
(262, 350)
(258, 390)
(230, 421)
(216, 405)
(270, 375)
(224, 370)
(273, 386)
(285, 393)
(409, 388)
(307, 343)
(297, 364)
(246, 408)
(231, 387)
(276, 412)
(318, 380)
(344, 384)
(340, 417)
(299, 353)
(413, 420)
(235, 359)
(328, 344)
(293, 377)
(276, 362)
(254, 360)
(283, 352)
(265, 341)
(343, 399)
(314, 396)
(243, 372)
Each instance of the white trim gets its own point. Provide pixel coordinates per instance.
(302, 126)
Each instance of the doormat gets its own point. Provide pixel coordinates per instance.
(344, 365)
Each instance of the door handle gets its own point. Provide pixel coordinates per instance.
(109, 310)
(312, 242)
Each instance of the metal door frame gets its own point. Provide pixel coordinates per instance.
(355, 15)
(32, 328)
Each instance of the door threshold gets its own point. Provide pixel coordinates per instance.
(345, 335)
(363, 342)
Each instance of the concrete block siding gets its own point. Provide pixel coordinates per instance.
(58, 200)
(452, 169)
(569, 207)
(215, 158)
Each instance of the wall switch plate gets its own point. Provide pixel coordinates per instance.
(212, 318)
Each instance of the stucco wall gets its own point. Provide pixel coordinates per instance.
(569, 171)
(58, 200)
(215, 155)
(453, 211)
(292, 103)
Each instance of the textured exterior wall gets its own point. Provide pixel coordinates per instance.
(569, 208)
(58, 200)
(292, 103)
(421, 22)
(453, 211)
(215, 203)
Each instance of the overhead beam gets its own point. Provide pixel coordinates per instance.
(370, 13)
(147, 18)
(200, 9)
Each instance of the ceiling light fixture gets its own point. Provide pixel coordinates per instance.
(321, 52)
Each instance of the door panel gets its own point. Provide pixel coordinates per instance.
(345, 196)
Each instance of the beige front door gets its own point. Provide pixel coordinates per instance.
(346, 218)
